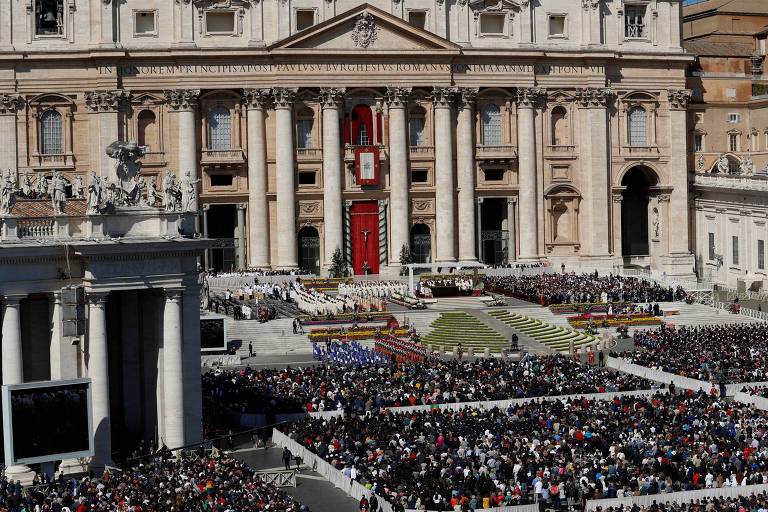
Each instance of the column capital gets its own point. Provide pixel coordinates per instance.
(590, 4)
(242, 206)
(105, 100)
(679, 98)
(511, 200)
(205, 207)
(465, 97)
(173, 294)
(442, 97)
(330, 97)
(594, 97)
(383, 203)
(13, 299)
(528, 97)
(10, 103)
(284, 96)
(97, 298)
(256, 98)
(397, 97)
(182, 99)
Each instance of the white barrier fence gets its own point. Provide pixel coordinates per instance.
(751, 313)
(657, 375)
(235, 282)
(676, 497)
(745, 398)
(221, 360)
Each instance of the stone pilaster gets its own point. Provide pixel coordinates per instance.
(465, 172)
(678, 170)
(445, 189)
(98, 371)
(10, 104)
(527, 101)
(333, 182)
(184, 102)
(104, 104)
(12, 362)
(287, 255)
(256, 102)
(397, 98)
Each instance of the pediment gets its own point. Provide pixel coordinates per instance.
(496, 5)
(365, 28)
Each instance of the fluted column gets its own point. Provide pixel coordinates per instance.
(98, 371)
(333, 183)
(445, 210)
(258, 208)
(397, 99)
(10, 104)
(594, 157)
(465, 172)
(287, 255)
(526, 147)
(173, 370)
(678, 176)
(184, 103)
(105, 105)
(13, 364)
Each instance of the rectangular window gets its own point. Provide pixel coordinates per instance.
(49, 17)
(699, 142)
(417, 131)
(734, 118)
(220, 22)
(494, 174)
(304, 133)
(492, 24)
(307, 178)
(144, 23)
(730, 93)
(418, 18)
(761, 254)
(557, 26)
(735, 244)
(221, 180)
(711, 240)
(419, 176)
(634, 21)
(305, 18)
(733, 142)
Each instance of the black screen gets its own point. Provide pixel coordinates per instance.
(50, 420)
(212, 334)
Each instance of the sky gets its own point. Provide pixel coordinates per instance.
(690, 2)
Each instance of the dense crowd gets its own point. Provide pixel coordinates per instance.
(368, 388)
(731, 352)
(747, 503)
(162, 485)
(548, 289)
(573, 450)
(755, 391)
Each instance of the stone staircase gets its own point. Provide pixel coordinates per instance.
(271, 338)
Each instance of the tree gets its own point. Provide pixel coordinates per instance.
(405, 259)
(338, 265)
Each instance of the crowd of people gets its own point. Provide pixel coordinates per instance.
(160, 485)
(349, 354)
(435, 381)
(731, 352)
(574, 450)
(574, 288)
(747, 503)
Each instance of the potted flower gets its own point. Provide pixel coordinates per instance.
(366, 268)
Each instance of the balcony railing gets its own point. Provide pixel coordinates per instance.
(53, 160)
(222, 156)
(641, 150)
(349, 152)
(493, 152)
(560, 148)
(559, 151)
(421, 152)
(37, 228)
(309, 154)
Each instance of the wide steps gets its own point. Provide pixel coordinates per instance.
(555, 337)
(452, 328)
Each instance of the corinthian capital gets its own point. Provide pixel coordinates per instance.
(597, 97)
(10, 103)
(105, 101)
(256, 98)
(284, 96)
(529, 97)
(330, 97)
(465, 97)
(398, 96)
(182, 99)
(443, 96)
(679, 98)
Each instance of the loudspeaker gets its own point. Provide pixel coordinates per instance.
(73, 311)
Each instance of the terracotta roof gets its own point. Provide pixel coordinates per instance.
(745, 6)
(44, 208)
(718, 49)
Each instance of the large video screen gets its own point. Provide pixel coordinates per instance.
(47, 421)
(213, 335)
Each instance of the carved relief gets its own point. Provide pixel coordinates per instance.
(529, 96)
(398, 96)
(284, 96)
(331, 96)
(466, 96)
(310, 209)
(256, 98)
(422, 206)
(593, 97)
(443, 96)
(679, 98)
(10, 103)
(365, 30)
(105, 101)
(182, 99)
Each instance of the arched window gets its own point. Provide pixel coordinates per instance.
(147, 130)
(637, 127)
(51, 133)
(559, 127)
(220, 128)
(491, 123)
(416, 126)
(304, 121)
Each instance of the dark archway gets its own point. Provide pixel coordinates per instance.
(494, 237)
(634, 211)
(309, 249)
(221, 227)
(421, 243)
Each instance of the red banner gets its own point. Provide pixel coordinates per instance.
(367, 167)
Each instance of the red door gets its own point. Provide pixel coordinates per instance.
(364, 227)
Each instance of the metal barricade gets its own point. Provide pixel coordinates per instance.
(283, 478)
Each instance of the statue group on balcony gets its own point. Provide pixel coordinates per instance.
(7, 191)
(171, 192)
(58, 192)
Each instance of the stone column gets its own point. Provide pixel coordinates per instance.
(397, 98)
(10, 104)
(287, 255)
(98, 370)
(12, 362)
(511, 246)
(678, 175)
(465, 172)
(527, 172)
(105, 105)
(479, 226)
(207, 253)
(54, 308)
(333, 179)
(173, 370)
(258, 207)
(241, 236)
(594, 151)
(184, 103)
(193, 402)
(445, 210)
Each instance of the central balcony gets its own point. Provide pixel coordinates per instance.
(222, 156)
(486, 152)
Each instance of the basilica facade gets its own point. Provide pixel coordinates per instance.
(466, 130)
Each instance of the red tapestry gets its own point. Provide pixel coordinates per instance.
(367, 165)
(364, 233)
